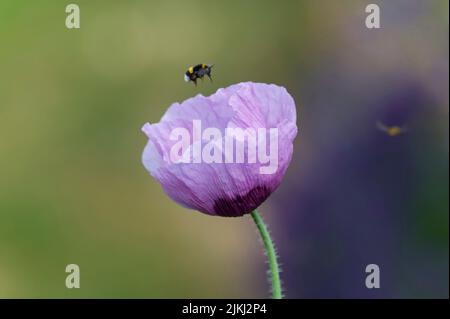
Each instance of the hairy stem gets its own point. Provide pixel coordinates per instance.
(271, 255)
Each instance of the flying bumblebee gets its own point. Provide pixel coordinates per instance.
(391, 130)
(198, 72)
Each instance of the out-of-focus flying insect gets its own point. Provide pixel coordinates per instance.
(198, 72)
(391, 130)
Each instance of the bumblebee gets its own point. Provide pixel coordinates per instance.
(198, 72)
(391, 130)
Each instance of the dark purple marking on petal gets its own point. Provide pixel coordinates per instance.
(241, 205)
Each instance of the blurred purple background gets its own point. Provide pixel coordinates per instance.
(356, 196)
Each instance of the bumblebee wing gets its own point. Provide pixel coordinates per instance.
(382, 127)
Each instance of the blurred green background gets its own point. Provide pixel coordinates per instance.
(72, 102)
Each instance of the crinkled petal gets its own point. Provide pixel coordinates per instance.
(225, 189)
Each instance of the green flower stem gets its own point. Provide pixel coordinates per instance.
(271, 255)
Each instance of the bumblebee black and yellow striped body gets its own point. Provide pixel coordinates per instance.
(198, 72)
(392, 130)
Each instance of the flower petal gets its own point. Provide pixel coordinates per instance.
(225, 189)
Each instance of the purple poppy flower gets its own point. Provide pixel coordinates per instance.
(204, 170)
